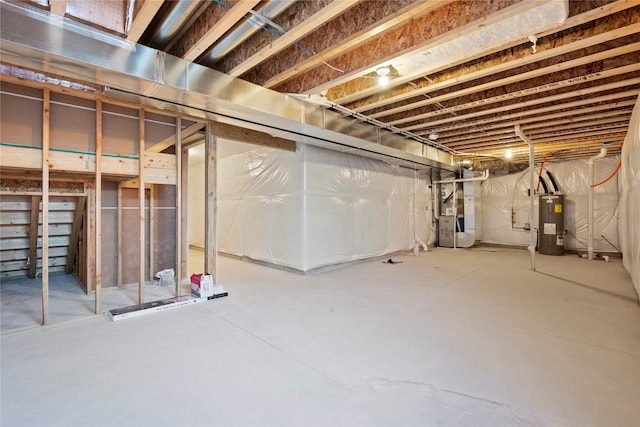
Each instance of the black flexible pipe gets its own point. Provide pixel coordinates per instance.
(544, 184)
(553, 182)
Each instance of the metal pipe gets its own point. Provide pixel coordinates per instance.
(532, 241)
(600, 155)
(485, 175)
(245, 30)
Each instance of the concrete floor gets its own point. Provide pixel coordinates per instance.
(466, 337)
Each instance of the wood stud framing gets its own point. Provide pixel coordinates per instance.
(33, 236)
(98, 210)
(210, 204)
(46, 120)
(75, 233)
(325, 47)
(141, 205)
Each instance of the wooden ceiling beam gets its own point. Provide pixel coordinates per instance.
(507, 127)
(351, 29)
(296, 33)
(221, 26)
(587, 136)
(144, 12)
(537, 129)
(538, 72)
(564, 115)
(521, 152)
(502, 109)
(295, 14)
(541, 138)
(58, 7)
(212, 24)
(547, 49)
(552, 86)
(418, 34)
(542, 149)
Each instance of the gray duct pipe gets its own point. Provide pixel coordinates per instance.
(532, 242)
(600, 155)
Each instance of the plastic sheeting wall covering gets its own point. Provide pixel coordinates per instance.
(629, 210)
(316, 207)
(499, 196)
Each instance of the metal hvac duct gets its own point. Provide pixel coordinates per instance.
(34, 39)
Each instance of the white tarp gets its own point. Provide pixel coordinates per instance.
(504, 195)
(629, 211)
(316, 207)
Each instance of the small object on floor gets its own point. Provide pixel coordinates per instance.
(202, 285)
(167, 277)
(390, 261)
(150, 307)
(220, 295)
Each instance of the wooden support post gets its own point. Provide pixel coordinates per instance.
(75, 234)
(119, 254)
(98, 207)
(45, 204)
(178, 150)
(152, 230)
(141, 194)
(33, 236)
(184, 216)
(210, 205)
(90, 235)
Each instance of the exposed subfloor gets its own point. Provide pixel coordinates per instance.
(465, 337)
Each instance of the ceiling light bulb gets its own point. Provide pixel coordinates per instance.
(433, 135)
(383, 80)
(383, 71)
(508, 154)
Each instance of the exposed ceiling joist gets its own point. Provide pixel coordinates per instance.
(212, 29)
(569, 74)
(529, 103)
(503, 66)
(354, 27)
(538, 72)
(144, 12)
(58, 7)
(328, 12)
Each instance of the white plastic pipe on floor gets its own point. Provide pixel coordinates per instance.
(600, 155)
(532, 242)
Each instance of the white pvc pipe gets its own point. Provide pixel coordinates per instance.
(532, 241)
(603, 152)
(485, 175)
(417, 242)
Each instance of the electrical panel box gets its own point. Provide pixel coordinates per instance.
(446, 228)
